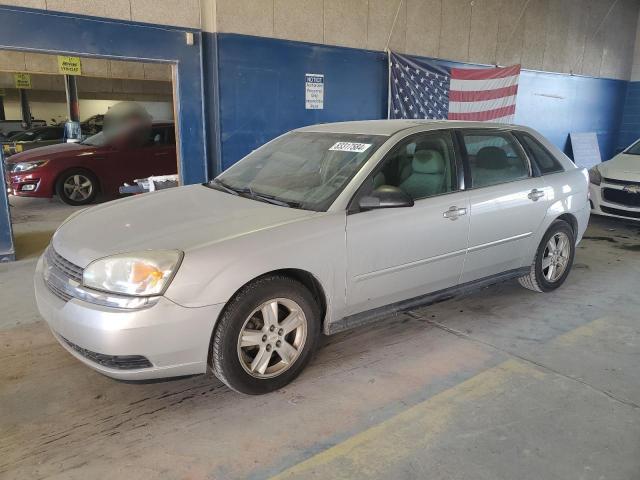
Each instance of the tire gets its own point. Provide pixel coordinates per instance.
(259, 365)
(77, 187)
(540, 277)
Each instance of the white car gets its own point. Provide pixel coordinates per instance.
(325, 228)
(615, 185)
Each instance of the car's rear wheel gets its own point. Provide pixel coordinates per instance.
(553, 259)
(77, 187)
(266, 335)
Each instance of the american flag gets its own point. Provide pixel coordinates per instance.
(426, 89)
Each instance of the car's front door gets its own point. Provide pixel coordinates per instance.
(156, 157)
(508, 204)
(394, 254)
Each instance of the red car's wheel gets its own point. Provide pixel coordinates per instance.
(77, 187)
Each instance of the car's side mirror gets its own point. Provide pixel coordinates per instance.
(385, 196)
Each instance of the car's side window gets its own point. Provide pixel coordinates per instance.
(494, 157)
(422, 166)
(544, 161)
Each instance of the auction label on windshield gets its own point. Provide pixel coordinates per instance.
(350, 147)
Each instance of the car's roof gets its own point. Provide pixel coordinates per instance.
(391, 127)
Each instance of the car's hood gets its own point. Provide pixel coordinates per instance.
(52, 152)
(622, 167)
(180, 218)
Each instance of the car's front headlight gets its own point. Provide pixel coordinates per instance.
(144, 273)
(26, 166)
(595, 176)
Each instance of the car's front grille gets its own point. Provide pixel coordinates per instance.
(622, 197)
(615, 181)
(58, 274)
(119, 362)
(65, 266)
(622, 213)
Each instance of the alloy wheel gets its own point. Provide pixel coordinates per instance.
(77, 187)
(272, 338)
(556, 257)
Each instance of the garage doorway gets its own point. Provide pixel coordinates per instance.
(49, 176)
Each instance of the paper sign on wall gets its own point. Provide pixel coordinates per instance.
(313, 91)
(22, 80)
(586, 152)
(69, 65)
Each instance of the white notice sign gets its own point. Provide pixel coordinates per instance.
(586, 152)
(313, 91)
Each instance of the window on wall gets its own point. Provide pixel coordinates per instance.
(494, 158)
(423, 166)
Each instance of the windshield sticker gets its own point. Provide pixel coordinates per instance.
(350, 147)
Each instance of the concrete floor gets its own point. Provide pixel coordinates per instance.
(503, 384)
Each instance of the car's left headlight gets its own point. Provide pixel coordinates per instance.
(26, 166)
(142, 274)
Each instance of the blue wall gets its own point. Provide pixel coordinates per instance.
(630, 126)
(556, 105)
(261, 86)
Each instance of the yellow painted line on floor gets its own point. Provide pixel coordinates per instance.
(585, 331)
(374, 450)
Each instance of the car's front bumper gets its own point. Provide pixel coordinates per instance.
(175, 339)
(618, 209)
(25, 185)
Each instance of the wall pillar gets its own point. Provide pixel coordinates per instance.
(24, 107)
(73, 105)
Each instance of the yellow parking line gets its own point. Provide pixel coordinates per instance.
(377, 448)
(587, 330)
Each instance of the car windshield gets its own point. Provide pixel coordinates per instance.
(633, 149)
(305, 170)
(25, 136)
(97, 140)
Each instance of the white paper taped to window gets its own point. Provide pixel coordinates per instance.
(350, 147)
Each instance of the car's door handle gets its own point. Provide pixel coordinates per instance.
(158, 154)
(454, 212)
(535, 194)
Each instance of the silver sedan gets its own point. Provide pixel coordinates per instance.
(325, 228)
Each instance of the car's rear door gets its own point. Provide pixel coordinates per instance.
(395, 254)
(507, 202)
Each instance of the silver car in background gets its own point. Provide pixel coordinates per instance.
(325, 228)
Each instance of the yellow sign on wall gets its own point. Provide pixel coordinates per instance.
(69, 65)
(22, 80)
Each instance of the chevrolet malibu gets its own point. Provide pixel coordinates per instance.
(615, 185)
(325, 228)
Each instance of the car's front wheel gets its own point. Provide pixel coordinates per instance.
(77, 187)
(266, 335)
(553, 259)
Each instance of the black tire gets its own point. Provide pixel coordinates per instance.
(225, 356)
(535, 280)
(77, 199)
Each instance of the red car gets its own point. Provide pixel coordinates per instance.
(76, 172)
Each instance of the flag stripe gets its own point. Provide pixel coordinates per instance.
(478, 95)
(484, 73)
(489, 84)
(485, 115)
(462, 107)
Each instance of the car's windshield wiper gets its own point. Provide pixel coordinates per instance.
(224, 186)
(248, 192)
